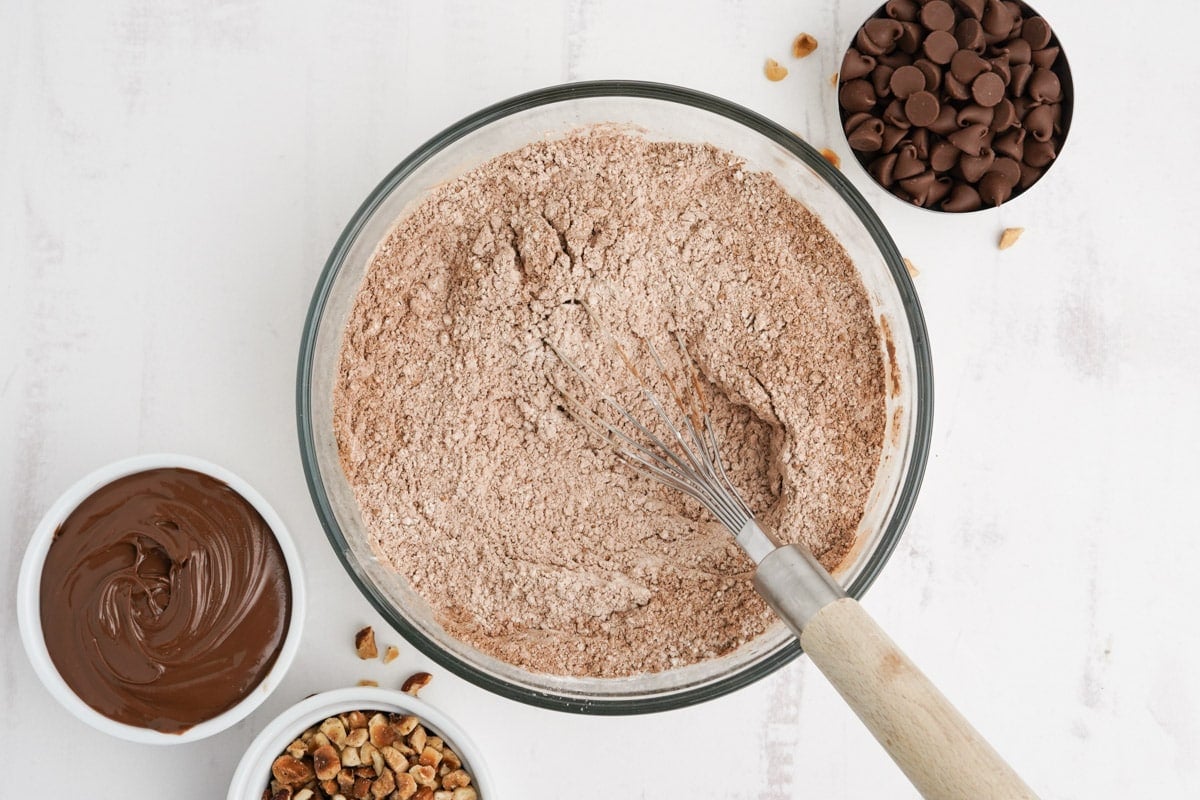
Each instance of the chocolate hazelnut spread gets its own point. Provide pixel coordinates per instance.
(165, 599)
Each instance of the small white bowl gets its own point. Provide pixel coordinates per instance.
(29, 603)
(253, 772)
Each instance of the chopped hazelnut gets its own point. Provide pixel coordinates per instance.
(364, 643)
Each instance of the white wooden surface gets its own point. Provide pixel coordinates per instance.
(173, 174)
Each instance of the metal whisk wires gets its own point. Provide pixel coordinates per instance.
(688, 458)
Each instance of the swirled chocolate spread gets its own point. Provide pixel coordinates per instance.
(165, 599)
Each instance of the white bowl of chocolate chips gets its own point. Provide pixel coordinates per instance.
(955, 106)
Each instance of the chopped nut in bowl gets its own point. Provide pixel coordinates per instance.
(362, 743)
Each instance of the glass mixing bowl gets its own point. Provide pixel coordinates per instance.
(658, 112)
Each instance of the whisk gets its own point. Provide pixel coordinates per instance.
(931, 742)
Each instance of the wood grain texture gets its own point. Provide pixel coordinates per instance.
(940, 752)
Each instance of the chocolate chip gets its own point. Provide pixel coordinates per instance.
(892, 136)
(973, 168)
(1039, 123)
(946, 122)
(920, 140)
(988, 89)
(854, 120)
(907, 80)
(967, 64)
(882, 169)
(1039, 154)
(955, 88)
(1037, 32)
(971, 8)
(1017, 50)
(974, 114)
(918, 187)
(857, 95)
(910, 41)
(1007, 167)
(932, 73)
(963, 197)
(867, 137)
(1020, 80)
(969, 35)
(903, 10)
(997, 19)
(969, 139)
(880, 81)
(999, 65)
(1045, 58)
(908, 163)
(883, 33)
(1029, 175)
(894, 115)
(940, 47)
(921, 108)
(994, 189)
(866, 46)
(895, 59)
(1003, 116)
(1011, 144)
(856, 65)
(937, 15)
(1044, 86)
(940, 188)
(943, 156)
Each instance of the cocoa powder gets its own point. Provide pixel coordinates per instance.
(527, 536)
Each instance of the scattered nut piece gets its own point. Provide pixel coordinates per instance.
(774, 70)
(430, 756)
(803, 45)
(406, 785)
(406, 724)
(424, 775)
(364, 643)
(832, 157)
(385, 785)
(326, 762)
(424, 793)
(394, 758)
(912, 268)
(1009, 237)
(465, 793)
(291, 771)
(357, 737)
(382, 733)
(334, 731)
(416, 739)
(303, 794)
(356, 719)
(390, 654)
(451, 759)
(833, 80)
(416, 682)
(456, 779)
(297, 749)
(368, 682)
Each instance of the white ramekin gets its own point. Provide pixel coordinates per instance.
(253, 772)
(29, 604)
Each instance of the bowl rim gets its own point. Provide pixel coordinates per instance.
(29, 601)
(284, 728)
(923, 418)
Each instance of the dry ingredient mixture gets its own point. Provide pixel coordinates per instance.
(525, 534)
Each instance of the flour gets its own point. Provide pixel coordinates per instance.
(527, 536)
